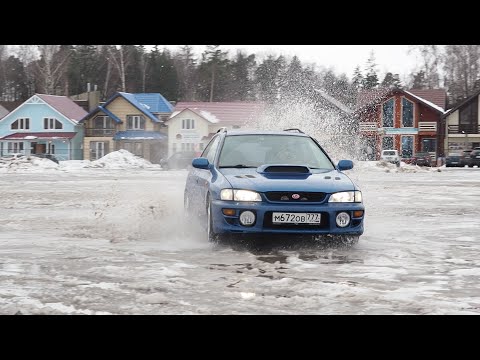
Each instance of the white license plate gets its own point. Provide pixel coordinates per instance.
(295, 218)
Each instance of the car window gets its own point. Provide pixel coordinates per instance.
(211, 149)
(256, 150)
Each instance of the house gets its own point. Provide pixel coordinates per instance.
(134, 122)
(406, 120)
(462, 122)
(44, 124)
(7, 106)
(192, 124)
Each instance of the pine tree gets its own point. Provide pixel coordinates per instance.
(371, 79)
(357, 81)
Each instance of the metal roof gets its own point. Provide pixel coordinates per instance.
(155, 102)
(65, 106)
(40, 135)
(226, 112)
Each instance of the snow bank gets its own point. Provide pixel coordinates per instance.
(121, 159)
(383, 166)
(27, 164)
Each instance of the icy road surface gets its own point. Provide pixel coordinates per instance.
(101, 241)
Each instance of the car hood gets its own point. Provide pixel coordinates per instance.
(324, 181)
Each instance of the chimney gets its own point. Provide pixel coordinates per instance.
(88, 87)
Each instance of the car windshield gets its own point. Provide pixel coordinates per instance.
(388, 153)
(453, 154)
(255, 150)
(423, 154)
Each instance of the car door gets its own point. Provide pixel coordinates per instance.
(199, 179)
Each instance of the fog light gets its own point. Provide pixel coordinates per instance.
(358, 213)
(343, 219)
(228, 212)
(247, 218)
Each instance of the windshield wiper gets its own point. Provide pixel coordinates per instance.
(239, 166)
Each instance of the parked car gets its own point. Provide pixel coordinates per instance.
(474, 158)
(12, 156)
(453, 160)
(465, 158)
(390, 156)
(179, 160)
(46, 156)
(422, 159)
(272, 182)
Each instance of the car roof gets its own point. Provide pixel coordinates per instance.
(264, 132)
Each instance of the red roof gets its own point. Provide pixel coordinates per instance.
(226, 112)
(435, 96)
(64, 105)
(40, 135)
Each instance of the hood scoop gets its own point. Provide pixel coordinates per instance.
(282, 169)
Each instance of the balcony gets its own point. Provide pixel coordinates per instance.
(99, 132)
(463, 129)
(427, 126)
(368, 126)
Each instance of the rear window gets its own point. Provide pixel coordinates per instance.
(389, 153)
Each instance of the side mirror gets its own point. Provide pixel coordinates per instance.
(200, 163)
(345, 165)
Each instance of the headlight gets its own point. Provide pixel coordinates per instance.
(346, 196)
(240, 195)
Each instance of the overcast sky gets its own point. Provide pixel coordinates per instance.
(343, 58)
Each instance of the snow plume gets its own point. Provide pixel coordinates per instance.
(334, 130)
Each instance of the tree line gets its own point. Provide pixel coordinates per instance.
(218, 75)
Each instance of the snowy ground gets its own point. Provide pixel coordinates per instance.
(77, 239)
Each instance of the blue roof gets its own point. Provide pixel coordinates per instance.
(140, 135)
(155, 102)
(106, 111)
(147, 103)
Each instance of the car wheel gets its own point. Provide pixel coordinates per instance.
(211, 236)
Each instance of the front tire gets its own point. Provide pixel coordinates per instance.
(211, 235)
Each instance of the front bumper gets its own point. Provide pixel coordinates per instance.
(223, 224)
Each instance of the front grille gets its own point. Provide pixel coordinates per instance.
(267, 223)
(294, 197)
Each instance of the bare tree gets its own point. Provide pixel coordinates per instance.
(462, 70)
(431, 57)
(120, 59)
(51, 66)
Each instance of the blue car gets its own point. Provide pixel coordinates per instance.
(272, 182)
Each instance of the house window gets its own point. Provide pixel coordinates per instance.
(188, 124)
(98, 149)
(387, 112)
(387, 143)
(15, 147)
(21, 124)
(429, 145)
(407, 113)
(135, 122)
(407, 146)
(103, 122)
(52, 124)
(469, 117)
